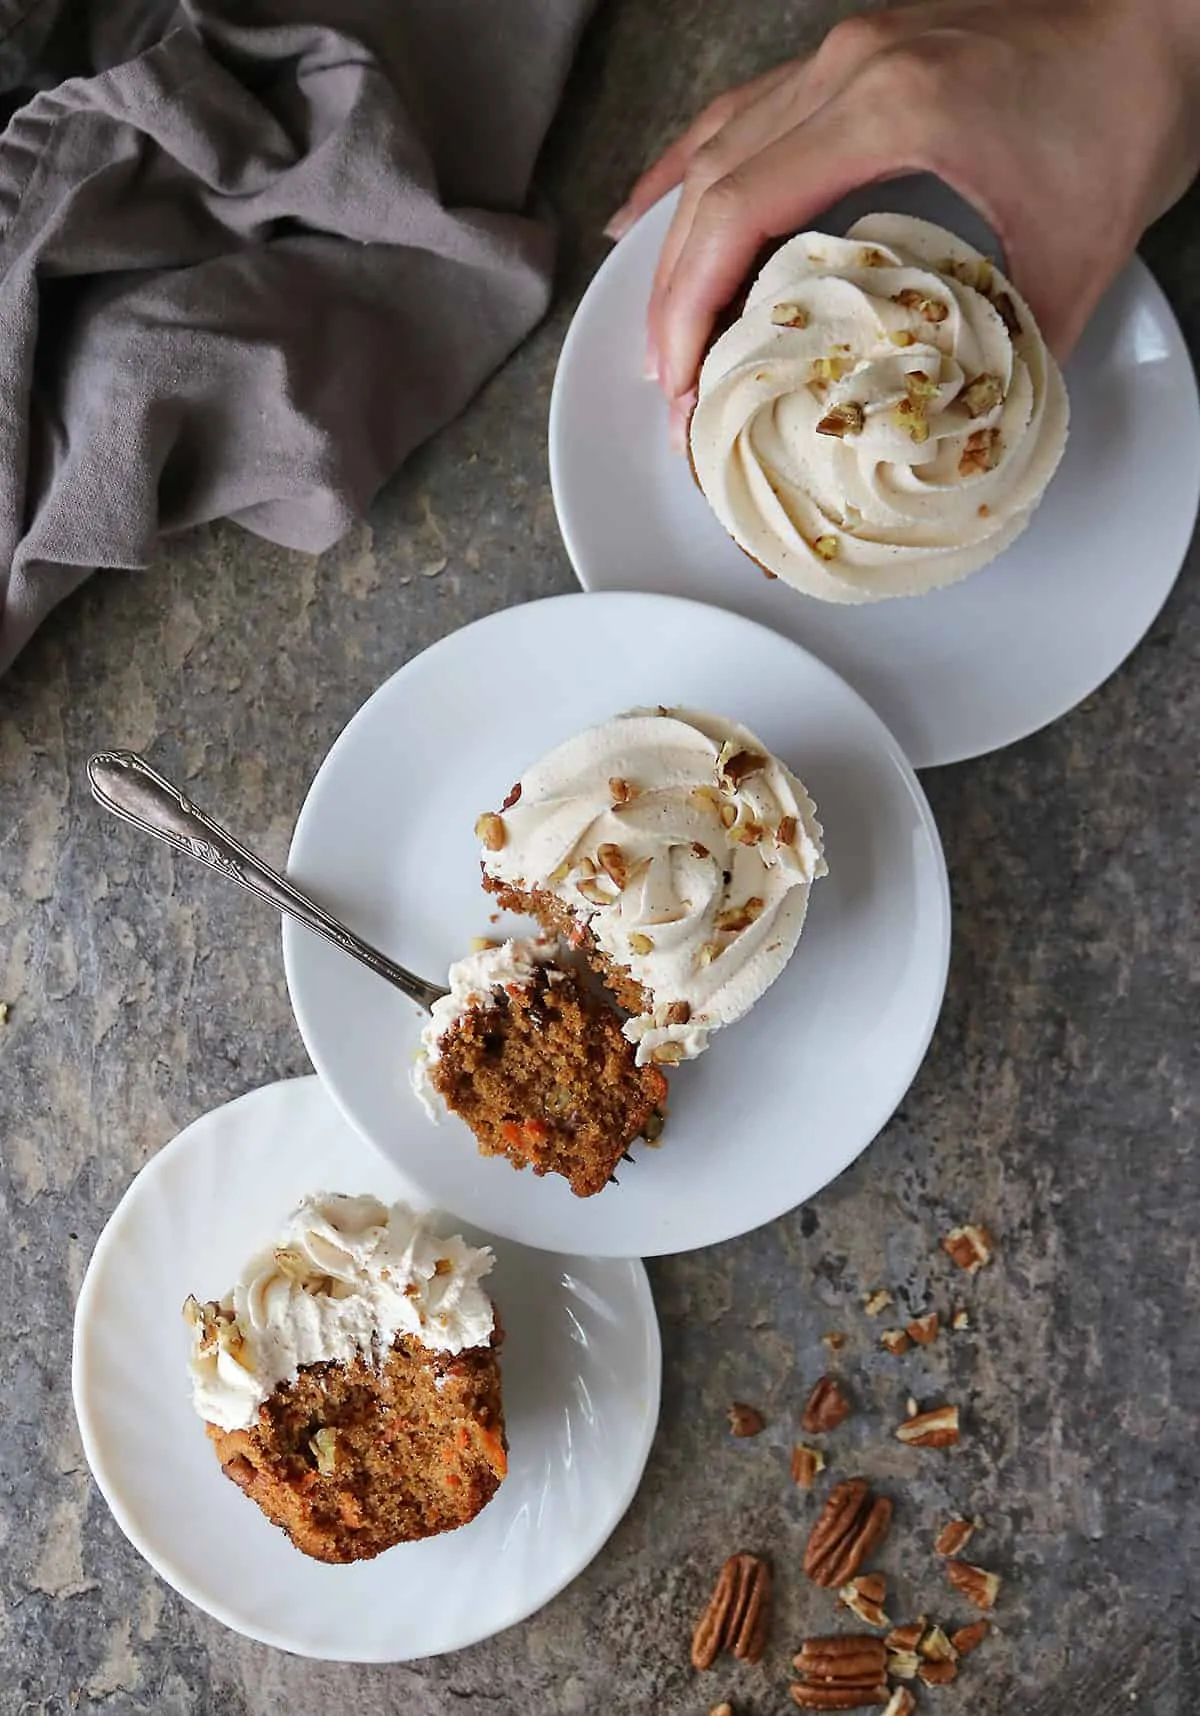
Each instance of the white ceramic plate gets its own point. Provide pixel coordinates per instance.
(581, 1364)
(782, 1101)
(960, 671)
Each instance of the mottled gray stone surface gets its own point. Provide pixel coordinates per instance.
(1058, 1100)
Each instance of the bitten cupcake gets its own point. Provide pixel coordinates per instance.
(349, 1382)
(882, 418)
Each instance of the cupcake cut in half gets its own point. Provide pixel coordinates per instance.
(676, 854)
(349, 1382)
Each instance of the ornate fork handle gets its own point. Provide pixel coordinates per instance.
(125, 783)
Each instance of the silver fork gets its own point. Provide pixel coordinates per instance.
(125, 783)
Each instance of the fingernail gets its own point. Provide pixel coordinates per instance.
(650, 361)
(620, 223)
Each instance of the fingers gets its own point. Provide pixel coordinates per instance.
(773, 194)
(668, 170)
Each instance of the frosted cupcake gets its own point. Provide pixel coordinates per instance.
(882, 418)
(349, 1381)
(676, 853)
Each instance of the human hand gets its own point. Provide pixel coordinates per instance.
(1069, 124)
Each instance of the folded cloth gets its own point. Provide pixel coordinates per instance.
(252, 252)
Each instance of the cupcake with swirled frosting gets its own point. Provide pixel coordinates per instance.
(882, 418)
(676, 853)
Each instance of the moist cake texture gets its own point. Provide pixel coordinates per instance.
(538, 1067)
(350, 1382)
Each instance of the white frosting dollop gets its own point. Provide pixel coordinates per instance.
(884, 415)
(347, 1277)
(686, 849)
(474, 982)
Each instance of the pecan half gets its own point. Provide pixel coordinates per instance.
(745, 1420)
(954, 1536)
(974, 1583)
(738, 1615)
(937, 1428)
(825, 1408)
(852, 1523)
(842, 1673)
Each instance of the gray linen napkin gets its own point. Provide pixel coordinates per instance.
(252, 252)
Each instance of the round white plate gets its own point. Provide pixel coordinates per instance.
(581, 1364)
(783, 1100)
(960, 671)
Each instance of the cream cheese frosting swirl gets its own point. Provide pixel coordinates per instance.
(686, 849)
(347, 1277)
(884, 415)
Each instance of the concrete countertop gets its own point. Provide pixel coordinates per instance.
(1058, 1102)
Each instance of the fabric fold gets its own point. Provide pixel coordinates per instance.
(246, 270)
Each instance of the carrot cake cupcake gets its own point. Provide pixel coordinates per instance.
(537, 1066)
(349, 1382)
(676, 853)
(882, 418)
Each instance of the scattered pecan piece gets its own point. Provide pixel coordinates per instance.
(620, 790)
(721, 1710)
(852, 1523)
(954, 1536)
(936, 1647)
(907, 1637)
(896, 1341)
(937, 1428)
(970, 1247)
(738, 1616)
(967, 1639)
(745, 1420)
(938, 1673)
(878, 1301)
(864, 1599)
(826, 1407)
(924, 1330)
(903, 1664)
(901, 1703)
(807, 1463)
(961, 1319)
(514, 794)
(835, 1340)
(976, 1585)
